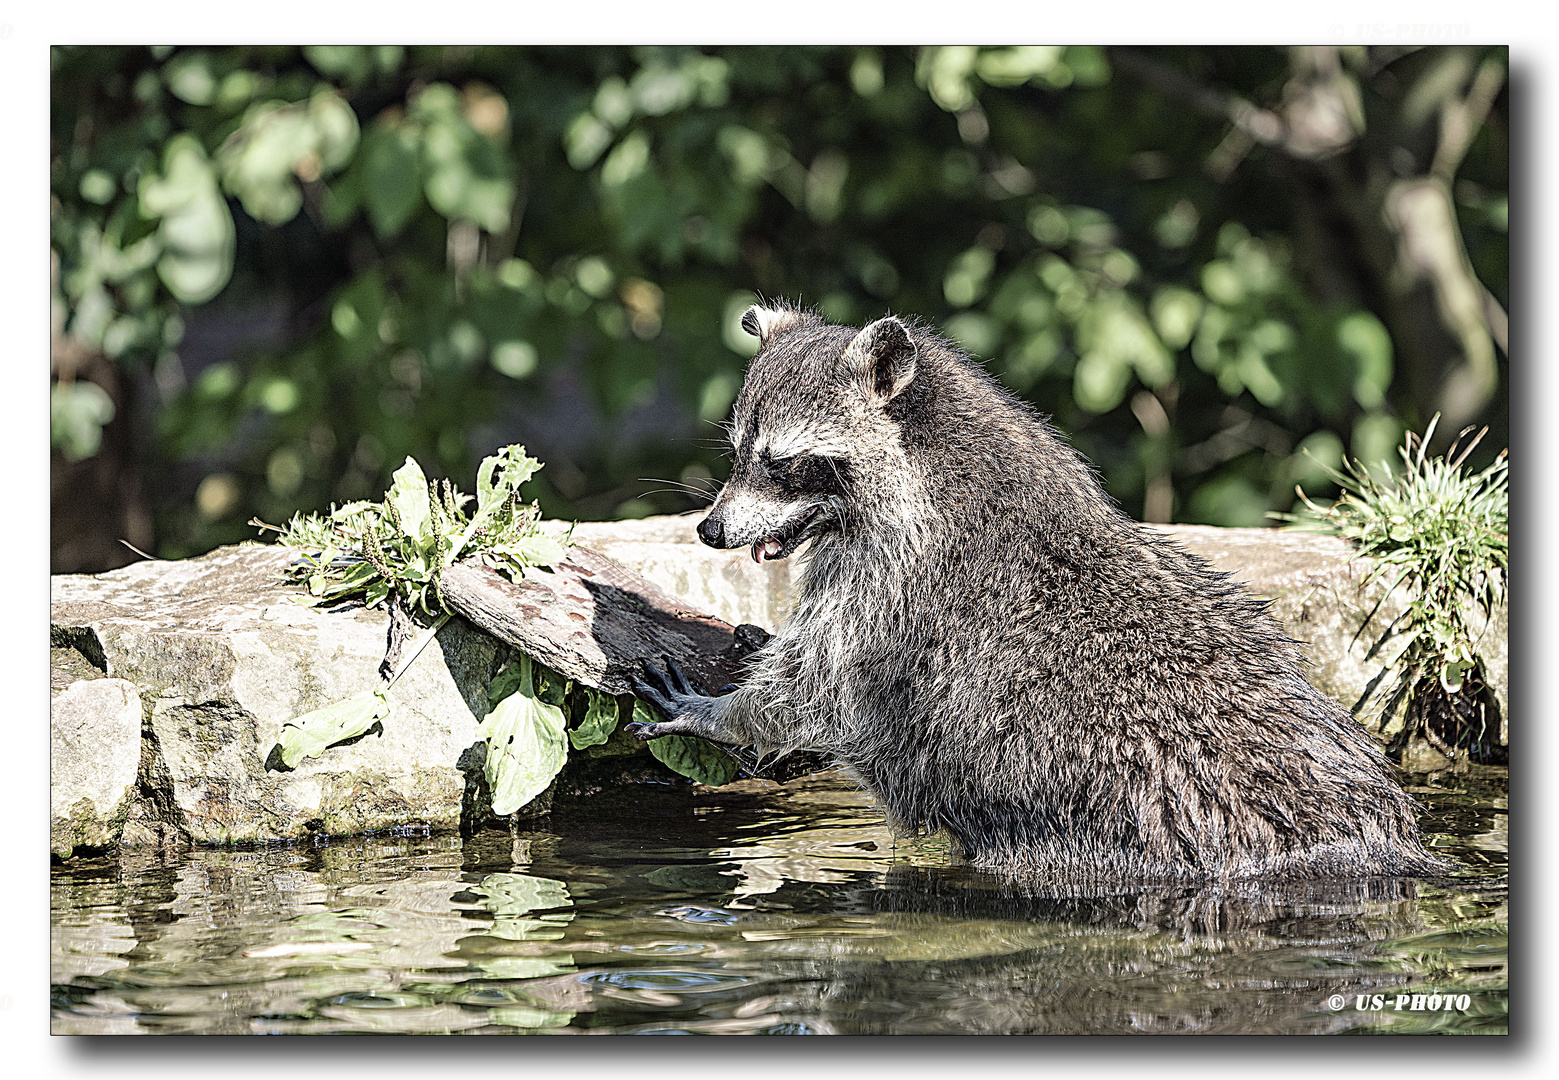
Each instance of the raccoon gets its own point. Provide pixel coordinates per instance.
(998, 651)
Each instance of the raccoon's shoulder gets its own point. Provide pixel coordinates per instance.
(953, 395)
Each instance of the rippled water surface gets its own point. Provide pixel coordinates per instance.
(759, 909)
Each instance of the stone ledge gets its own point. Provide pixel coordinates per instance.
(222, 658)
(211, 657)
(94, 754)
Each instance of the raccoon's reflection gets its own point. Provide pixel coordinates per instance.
(1384, 905)
(999, 955)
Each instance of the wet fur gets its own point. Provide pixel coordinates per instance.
(998, 651)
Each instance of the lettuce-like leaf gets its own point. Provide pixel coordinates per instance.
(311, 733)
(697, 759)
(409, 495)
(538, 549)
(526, 744)
(599, 722)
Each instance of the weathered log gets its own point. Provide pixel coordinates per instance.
(593, 620)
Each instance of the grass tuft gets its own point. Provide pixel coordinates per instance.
(1442, 534)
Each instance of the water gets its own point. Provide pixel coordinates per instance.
(759, 909)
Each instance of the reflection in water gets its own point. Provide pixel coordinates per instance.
(760, 910)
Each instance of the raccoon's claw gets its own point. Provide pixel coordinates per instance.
(671, 694)
(655, 695)
(659, 688)
(663, 686)
(678, 680)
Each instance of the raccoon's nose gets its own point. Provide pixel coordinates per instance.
(712, 532)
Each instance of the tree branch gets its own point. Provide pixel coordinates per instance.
(1498, 322)
(1261, 125)
(1460, 121)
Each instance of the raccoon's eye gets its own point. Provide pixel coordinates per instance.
(787, 466)
(811, 473)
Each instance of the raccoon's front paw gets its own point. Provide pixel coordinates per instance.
(669, 691)
(687, 711)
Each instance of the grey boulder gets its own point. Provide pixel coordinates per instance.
(223, 657)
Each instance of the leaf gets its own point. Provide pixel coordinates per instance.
(309, 735)
(516, 467)
(278, 142)
(504, 683)
(392, 188)
(525, 745)
(537, 549)
(356, 577)
(409, 495)
(599, 722)
(78, 412)
(487, 493)
(496, 479)
(697, 759)
(551, 687)
(540, 550)
(196, 229)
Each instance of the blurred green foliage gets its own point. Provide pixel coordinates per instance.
(453, 234)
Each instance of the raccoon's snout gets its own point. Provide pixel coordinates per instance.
(773, 542)
(712, 531)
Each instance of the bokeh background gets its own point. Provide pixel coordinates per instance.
(278, 271)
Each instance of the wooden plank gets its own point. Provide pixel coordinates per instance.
(593, 620)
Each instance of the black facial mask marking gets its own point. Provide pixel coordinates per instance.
(804, 474)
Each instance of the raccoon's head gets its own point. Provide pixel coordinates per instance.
(815, 451)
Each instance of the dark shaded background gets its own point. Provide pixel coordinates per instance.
(279, 271)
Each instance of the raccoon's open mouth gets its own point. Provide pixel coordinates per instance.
(782, 543)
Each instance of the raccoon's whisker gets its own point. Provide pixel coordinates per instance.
(704, 487)
(683, 490)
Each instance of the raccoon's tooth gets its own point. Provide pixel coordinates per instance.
(771, 548)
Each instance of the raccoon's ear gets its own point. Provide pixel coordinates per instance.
(762, 322)
(884, 355)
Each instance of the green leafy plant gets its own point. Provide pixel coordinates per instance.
(600, 720)
(392, 552)
(310, 734)
(698, 759)
(1444, 536)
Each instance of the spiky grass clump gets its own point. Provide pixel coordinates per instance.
(1444, 536)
